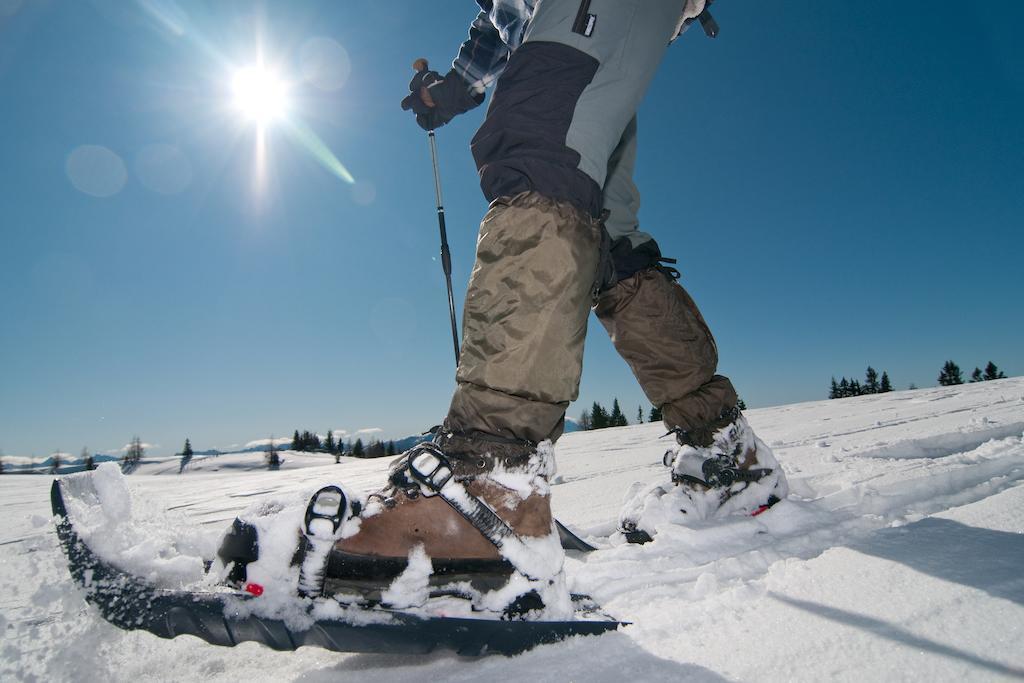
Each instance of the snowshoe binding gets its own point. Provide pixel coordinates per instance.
(452, 524)
(718, 470)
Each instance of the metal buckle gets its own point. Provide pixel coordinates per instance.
(668, 460)
(430, 468)
(328, 503)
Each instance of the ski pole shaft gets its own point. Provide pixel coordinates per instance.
(446, 256)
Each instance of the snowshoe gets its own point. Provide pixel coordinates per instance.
(237, 610)
(721, 470)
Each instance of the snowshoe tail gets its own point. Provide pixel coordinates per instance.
(571, 541)
(221, 618)
(633, 534)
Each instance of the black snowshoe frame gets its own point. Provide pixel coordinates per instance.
(131, 603)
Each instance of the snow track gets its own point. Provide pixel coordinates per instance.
(897, 557)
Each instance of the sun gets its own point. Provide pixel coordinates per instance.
(260, 94)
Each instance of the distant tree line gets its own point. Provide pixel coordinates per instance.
(950, 375)
(599, 417)
(310, 442)
(852, 387)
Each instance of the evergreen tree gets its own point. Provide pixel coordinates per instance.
(976, 375)
(655, 415)
(833, 391)
(87, 459)
(950, 375)
(639, 415)
(584, 421)
(844, 388)
(133, 456)
(992, 372)
(391, 448)
(871, 381)
(348, 447)
(271, 455)
(357, 449)
(855, 388)
(740, 403)
(616, 418)
(598, 417)
(296, 441)
(186, 456)
(886, 385)
(329, 444)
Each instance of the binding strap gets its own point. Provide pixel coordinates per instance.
(429, 469)
(325, 517)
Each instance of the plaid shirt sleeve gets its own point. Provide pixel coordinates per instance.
(482, 58)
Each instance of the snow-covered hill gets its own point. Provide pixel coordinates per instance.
(898, 556)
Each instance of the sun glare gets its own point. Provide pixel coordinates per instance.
(260, 94)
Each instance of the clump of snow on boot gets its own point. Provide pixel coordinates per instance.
(533, 477)
(411, 587)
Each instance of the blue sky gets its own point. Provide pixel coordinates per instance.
(841, 183)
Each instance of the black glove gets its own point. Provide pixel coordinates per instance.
(436, 100)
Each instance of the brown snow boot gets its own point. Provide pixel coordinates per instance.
(718, 469)
(479, 509)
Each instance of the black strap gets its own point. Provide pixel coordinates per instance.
(428, 467)
(707, 22)
(738, 475)
(331, 504)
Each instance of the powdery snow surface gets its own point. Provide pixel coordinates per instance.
(899, 555)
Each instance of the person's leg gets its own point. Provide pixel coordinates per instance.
(653, 323)
(557, 114)
(556, 117)
(658, 330)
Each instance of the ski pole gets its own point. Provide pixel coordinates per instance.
(446, 256)
(421, 66)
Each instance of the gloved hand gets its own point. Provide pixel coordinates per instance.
(436, 100)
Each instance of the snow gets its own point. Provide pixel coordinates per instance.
(410, 588)
(897, 555)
